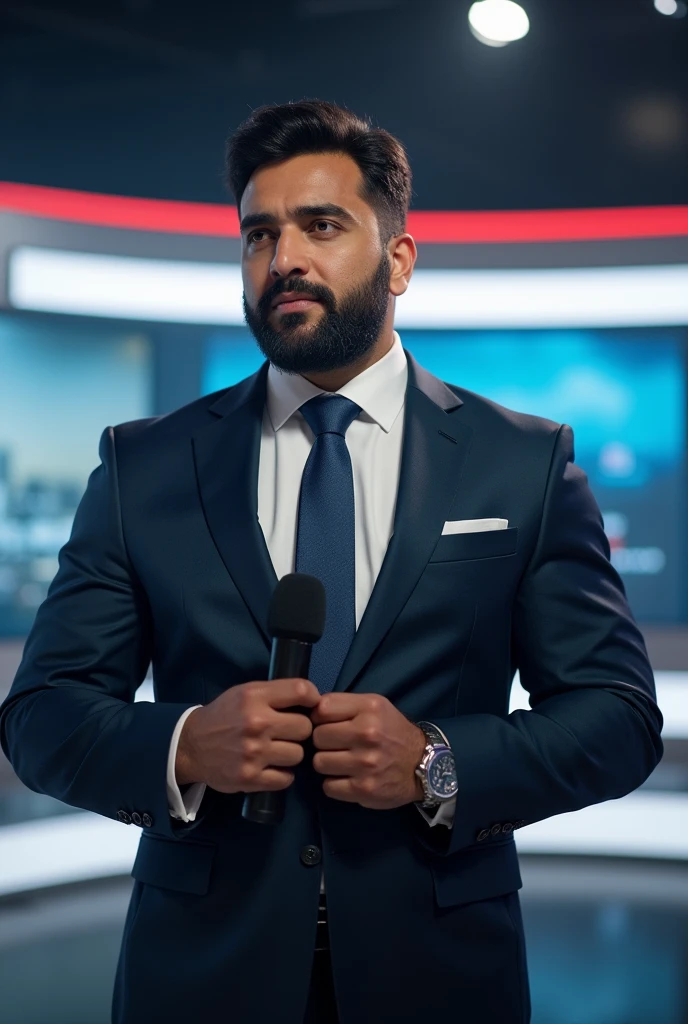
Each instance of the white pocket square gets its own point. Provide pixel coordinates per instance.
(474, 525)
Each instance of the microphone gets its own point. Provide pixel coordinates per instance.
(296, 620)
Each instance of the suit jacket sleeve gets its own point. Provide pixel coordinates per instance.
(69, 725)
(593, 733)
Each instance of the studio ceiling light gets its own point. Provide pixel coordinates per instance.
(672, 8)
(497, 22)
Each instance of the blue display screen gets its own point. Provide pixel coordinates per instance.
(622, 391)
(60, 386)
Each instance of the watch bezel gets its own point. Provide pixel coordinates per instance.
(437, 751)
(432, 798)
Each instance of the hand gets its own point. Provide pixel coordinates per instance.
(244, 740)
(369, 749)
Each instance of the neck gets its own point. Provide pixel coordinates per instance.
(333, 380)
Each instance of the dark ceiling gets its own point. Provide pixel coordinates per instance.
(136, 97)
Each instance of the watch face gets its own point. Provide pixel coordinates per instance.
(442, 775)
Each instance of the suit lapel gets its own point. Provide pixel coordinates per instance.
(226, 453)
(434, 448)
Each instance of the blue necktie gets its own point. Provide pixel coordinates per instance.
(325, 541)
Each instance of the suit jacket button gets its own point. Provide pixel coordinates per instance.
(147, 820)
(483, 835)
(123, 816)
(310, 855)
(519, 824)
(507, 828)
(495, 830)
(136, 818)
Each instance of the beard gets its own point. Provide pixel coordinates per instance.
(340, 336)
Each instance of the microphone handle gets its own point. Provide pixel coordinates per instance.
(289, 659)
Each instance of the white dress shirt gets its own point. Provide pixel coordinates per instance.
(374, 440)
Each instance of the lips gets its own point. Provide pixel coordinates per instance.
(287, 298)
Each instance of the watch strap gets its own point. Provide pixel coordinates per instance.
(434, 734)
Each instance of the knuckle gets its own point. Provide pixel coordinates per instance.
(366, 786)
(375, 702)
(302, 688)
(247, 775)
(371, 734)
(250, 748)
(254, 723)
(369, 761)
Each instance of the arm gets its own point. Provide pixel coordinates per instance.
(593, 733)
(69, 725)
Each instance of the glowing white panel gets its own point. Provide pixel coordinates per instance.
(71, 848)
(643, 824)
(57, 281)
(88, 284)
(570, 297)
(75, 847)
(672, 697)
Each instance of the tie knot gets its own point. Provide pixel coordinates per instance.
(330, 414)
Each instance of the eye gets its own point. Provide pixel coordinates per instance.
(251, 237)
(325, 223)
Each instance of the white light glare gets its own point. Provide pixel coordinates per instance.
(666, 6)
(498, 22)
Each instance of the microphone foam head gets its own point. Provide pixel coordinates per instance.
(297, 608)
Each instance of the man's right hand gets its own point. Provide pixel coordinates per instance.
(244, 741)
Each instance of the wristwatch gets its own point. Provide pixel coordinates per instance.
(437, 768)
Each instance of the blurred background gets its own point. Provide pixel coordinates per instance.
(549, 145)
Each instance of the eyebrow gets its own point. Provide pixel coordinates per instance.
(253, 220)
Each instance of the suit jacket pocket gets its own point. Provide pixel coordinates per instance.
(174, 864)
(453, 547)
(471, 875)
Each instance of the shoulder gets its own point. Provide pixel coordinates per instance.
(499, 424)
(159, 432)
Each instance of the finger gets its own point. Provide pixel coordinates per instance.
(270, 779)
(339, 762)
(281, 754)
(285, 693)
(334, 736)
(339, 707)
(285, 725)
(340, 789)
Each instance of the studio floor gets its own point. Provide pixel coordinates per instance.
(607, 944)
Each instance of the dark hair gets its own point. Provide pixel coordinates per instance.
(278, 131)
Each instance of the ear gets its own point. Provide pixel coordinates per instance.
(402, 253)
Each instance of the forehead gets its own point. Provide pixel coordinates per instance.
(307, 179)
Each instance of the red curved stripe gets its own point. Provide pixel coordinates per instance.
(426, 226)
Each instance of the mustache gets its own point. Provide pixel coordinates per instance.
(298, 285)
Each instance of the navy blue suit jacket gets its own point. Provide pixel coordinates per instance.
(167, 564)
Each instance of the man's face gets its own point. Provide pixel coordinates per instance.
(307, 232)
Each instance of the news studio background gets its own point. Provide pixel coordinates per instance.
(550, 156)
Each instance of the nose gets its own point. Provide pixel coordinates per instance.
(290, 257)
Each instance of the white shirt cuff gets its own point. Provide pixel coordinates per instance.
(444, 815)
(183, 807)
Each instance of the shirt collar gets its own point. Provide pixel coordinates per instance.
(379, 390)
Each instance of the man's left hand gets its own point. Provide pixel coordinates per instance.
(369, 749)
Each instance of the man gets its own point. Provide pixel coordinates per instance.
(457, 542)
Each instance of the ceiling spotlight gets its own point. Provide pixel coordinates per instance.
(672, 8)
(498, 22)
